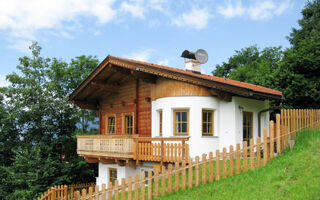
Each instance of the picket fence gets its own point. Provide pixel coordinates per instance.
(66, 192)
(211, 167)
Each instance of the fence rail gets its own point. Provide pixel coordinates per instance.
(211, 167)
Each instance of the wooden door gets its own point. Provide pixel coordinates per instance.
(247, 126)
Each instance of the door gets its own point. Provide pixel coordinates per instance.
(247, 126)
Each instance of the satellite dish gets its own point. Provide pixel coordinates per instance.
(201, 56)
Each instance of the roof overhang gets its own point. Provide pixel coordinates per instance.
(111, 63)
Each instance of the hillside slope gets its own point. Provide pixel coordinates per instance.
(294, 175)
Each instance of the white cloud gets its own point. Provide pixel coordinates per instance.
(139, 8)
(259, 10)
(21, 45)
(23, 18)
(3, 81)
(143, 55)
(164, 62)
(134, 7)
(197, 18)
(66, 35)
(232, 10)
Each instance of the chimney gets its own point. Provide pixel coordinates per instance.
(195, 59)
(193, 66)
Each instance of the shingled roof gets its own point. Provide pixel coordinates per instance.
(223, 84)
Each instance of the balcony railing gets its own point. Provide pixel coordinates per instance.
(161, 149)
(124, 147)
(118, 146)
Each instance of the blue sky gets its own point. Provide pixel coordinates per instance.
(155, 31)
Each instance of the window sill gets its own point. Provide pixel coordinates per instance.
(209, 136)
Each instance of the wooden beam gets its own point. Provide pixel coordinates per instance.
(121, 163)
(104, 87)
(145, 77)
(86, 104)
(132, 164)
(91, 159)
(107, 160)
(223, 96)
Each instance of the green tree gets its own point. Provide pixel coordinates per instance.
(294, 71)
(45, 122)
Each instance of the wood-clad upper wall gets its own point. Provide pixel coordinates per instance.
(125, 102)
(169, 88)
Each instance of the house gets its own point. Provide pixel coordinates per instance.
(151, 115)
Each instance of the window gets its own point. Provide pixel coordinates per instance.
(112, 175)
(128, 123)
(247, 126)
(181, 122)
(111, 125)
(160, 123)
(207, 122)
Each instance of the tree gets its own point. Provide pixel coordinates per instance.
(39, 112)
(294, 71)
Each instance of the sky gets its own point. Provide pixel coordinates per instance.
(155, 31)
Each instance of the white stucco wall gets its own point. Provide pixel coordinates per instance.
(122, 172)
(250, 105)
(198, 144)
(227, 120)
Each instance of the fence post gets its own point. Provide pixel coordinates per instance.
(190, 174)
(176, 176)
(163, 180)
(251, 154)
(183, 174)
(84, 194)
(217, 165)
(245, 156)
(110, 190)
(231, 160)
(271, 129)
(204, 168)
(238, 161)
(211, 167)
(150, 184)
(265, 146)
(170, 178)
(224, 162)
(258, 152)
(156, 183)
(53, 193)
(103, 189)
(77, 195)
(278, 134)
(123, 189)
(197, 171)
(136, 187)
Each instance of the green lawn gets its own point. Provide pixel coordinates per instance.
(294, 175)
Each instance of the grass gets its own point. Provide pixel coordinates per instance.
(294, 175)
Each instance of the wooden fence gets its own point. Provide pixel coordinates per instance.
(65, 192)
(212, 166)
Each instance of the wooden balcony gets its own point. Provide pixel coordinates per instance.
(119, 148)
(105, 146)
